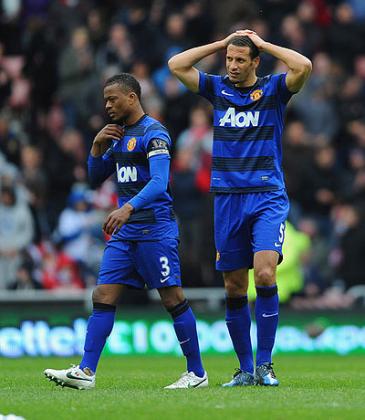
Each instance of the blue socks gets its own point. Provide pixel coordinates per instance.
(238, 320)
(185, 329)
(267, 317)
(99, 327)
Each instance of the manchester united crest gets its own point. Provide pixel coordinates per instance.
(256, 94)
(131, 144)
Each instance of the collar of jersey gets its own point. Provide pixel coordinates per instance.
(242, 91)
(137, 122)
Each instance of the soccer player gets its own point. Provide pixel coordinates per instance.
(143, 247)
(251, 204)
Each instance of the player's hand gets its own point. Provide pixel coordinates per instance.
(259, 42)
(109, 132)
(226, 40)
(103, 138)
(117, 218)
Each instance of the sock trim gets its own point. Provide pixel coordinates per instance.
(266, 291)
(104, 307)
(236, 302)
(179, 309)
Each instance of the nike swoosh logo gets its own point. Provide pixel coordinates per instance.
(185, 341)
(226, 93)
(70, 376)
(194, 386)
(165, 279)
(269, 315)
(277, 244)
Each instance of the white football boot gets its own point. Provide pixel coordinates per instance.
(189, 380)
(74, 377)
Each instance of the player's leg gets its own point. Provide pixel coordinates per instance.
(99, 327)
(100, 323)
(268, 237)
(234, 255)
(266, 313)
(159, 265)
(238, 320)
(175, 303)
(115, 271)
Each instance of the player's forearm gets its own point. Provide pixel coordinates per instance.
(296, 62)
(157, 185)
(98, 149)
(98, 170)
(188, 58)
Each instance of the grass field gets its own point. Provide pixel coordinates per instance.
(312, 387)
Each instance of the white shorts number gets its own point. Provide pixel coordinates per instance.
(281, 233)
(165, 266)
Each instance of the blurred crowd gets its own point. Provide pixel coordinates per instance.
(55, 56)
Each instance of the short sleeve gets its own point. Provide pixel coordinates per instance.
(281, 88)
(206, 85)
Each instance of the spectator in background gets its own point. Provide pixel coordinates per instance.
(350, 228)
(152, 101)
(118, 52)
(198, 137)
(11, 141)
(77, 77)
(188, 206)
(58, 270)
(315, 104)
(16, 233)
(24, 278)
(65, 163)
(35, 181)
(78, 230)
(344, 35)
(5, 84)
(324, 184)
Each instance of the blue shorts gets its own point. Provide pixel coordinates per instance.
(247, 223)
(153, 264)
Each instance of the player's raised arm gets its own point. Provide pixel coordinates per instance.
(182, 65)
(101, 164)
(300, 66)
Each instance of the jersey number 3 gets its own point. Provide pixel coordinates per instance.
(165, 266)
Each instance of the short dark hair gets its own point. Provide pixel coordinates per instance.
(245, 41)
(127, 82)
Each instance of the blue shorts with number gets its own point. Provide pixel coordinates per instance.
(248, 223)
(153, 264)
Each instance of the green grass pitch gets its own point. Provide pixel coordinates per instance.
(312, 387)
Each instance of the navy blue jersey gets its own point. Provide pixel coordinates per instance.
(248, 126)
(128, 158)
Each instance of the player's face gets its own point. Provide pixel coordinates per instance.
(240, 66)
(118, 104)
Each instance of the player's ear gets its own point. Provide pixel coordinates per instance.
(256, 61)
(132, 98)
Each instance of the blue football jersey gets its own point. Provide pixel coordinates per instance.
(248, 126)
(129, 159)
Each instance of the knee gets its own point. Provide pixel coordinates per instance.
(235, 286)
(171, 298)
(100, 296)
(265, 276)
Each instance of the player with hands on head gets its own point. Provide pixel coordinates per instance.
(250, 204)
(144, 233)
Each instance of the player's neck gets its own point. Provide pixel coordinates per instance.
(250, 81)
(135, 116)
